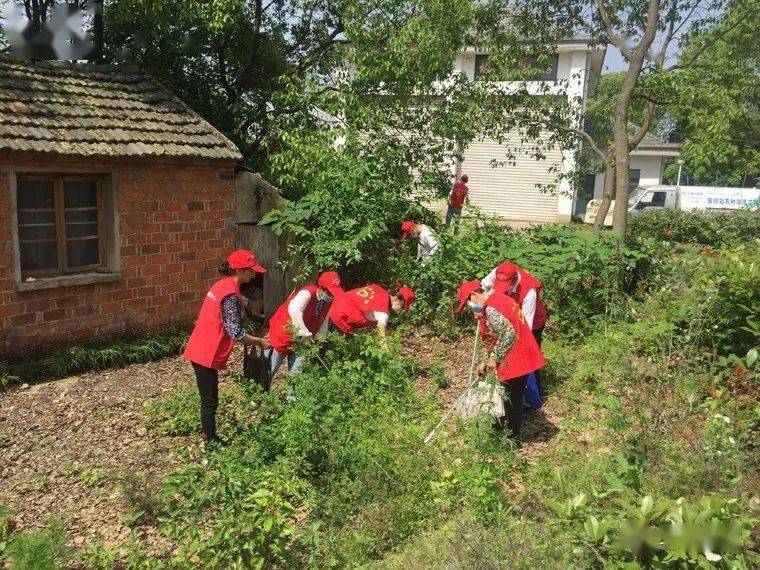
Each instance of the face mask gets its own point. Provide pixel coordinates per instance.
(474, 307)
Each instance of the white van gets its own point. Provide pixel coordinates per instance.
(682, 198)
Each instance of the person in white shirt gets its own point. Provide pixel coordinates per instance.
(528, 303)
(303, 315)
(427, 246)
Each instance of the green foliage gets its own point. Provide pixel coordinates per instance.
(339, 476)
(95, 356)
(46, 550)
(705, 228)
(587, 277)
(712, 98)
(6, 528)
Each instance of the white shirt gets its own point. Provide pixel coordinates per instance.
(428, 244)
(529, 302)
(296, 307)
(377, 316)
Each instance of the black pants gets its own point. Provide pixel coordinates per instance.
(513, 404)
(208, 388)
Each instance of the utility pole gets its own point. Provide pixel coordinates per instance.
(680, 166)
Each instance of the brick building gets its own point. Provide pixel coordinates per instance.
(115, 202)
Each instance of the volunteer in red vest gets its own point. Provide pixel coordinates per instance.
(302, 316)
(514, 281)
(456, 202)
(512, 350)
(427, 246)
(219, 326)
(369, 306)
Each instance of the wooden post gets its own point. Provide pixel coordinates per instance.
(255, 197)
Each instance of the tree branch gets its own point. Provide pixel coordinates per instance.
(321, 49)
(232, 95)
(614, 39)
(714, 39)
(635, 139)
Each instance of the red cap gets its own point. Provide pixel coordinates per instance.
(505, 272)
(408, 295)
(244, 259)
(465, 290)
(330, 280)
(406, 229)
(464, 178)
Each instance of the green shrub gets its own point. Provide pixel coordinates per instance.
(339, 476)
(587, 277)
(700, 227)
(46, 550)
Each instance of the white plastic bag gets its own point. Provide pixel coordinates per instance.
(485, 397)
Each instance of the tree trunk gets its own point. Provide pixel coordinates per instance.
(620, 118)
(604, 205)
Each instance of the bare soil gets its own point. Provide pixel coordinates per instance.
(76, 448)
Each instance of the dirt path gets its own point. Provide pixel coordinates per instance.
(76, 448)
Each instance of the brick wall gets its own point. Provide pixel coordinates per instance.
(172, 232)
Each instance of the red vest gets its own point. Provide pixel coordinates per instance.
(209, 345)
(525, 356)
(528, 282)
(347, 311)
(281, 325)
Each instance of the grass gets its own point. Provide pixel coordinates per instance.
(77, 359)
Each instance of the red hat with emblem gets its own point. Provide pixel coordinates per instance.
(244, 259)
(465, 290)
(330, 280)
(408, 295)
(406, 229)
(505, 273)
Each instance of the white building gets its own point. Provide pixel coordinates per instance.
(510, 191)
(646, 163)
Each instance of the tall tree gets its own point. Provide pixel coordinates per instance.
(644, 32)
(715, 103)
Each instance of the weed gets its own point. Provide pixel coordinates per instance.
(46, 550)
(95, 356)
(92, 477)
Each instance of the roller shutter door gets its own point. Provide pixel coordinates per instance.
(510, 191)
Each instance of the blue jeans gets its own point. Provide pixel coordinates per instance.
(294, 362)
(452, 212)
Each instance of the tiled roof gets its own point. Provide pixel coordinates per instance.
(87, 110)
(652, 141)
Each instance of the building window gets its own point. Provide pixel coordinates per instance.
(634, 176)
(61, 224)
(482, 66)
(536, 72)
(539, 73)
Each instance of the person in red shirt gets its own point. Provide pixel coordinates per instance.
(369, 306)
(456, 202)
(512, 350)
(218, 327)
(303, 315)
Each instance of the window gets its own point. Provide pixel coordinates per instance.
(658, 200)
(652, 200)
(549, 73)
(634, 176)
(483, 68)
(60, 224)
